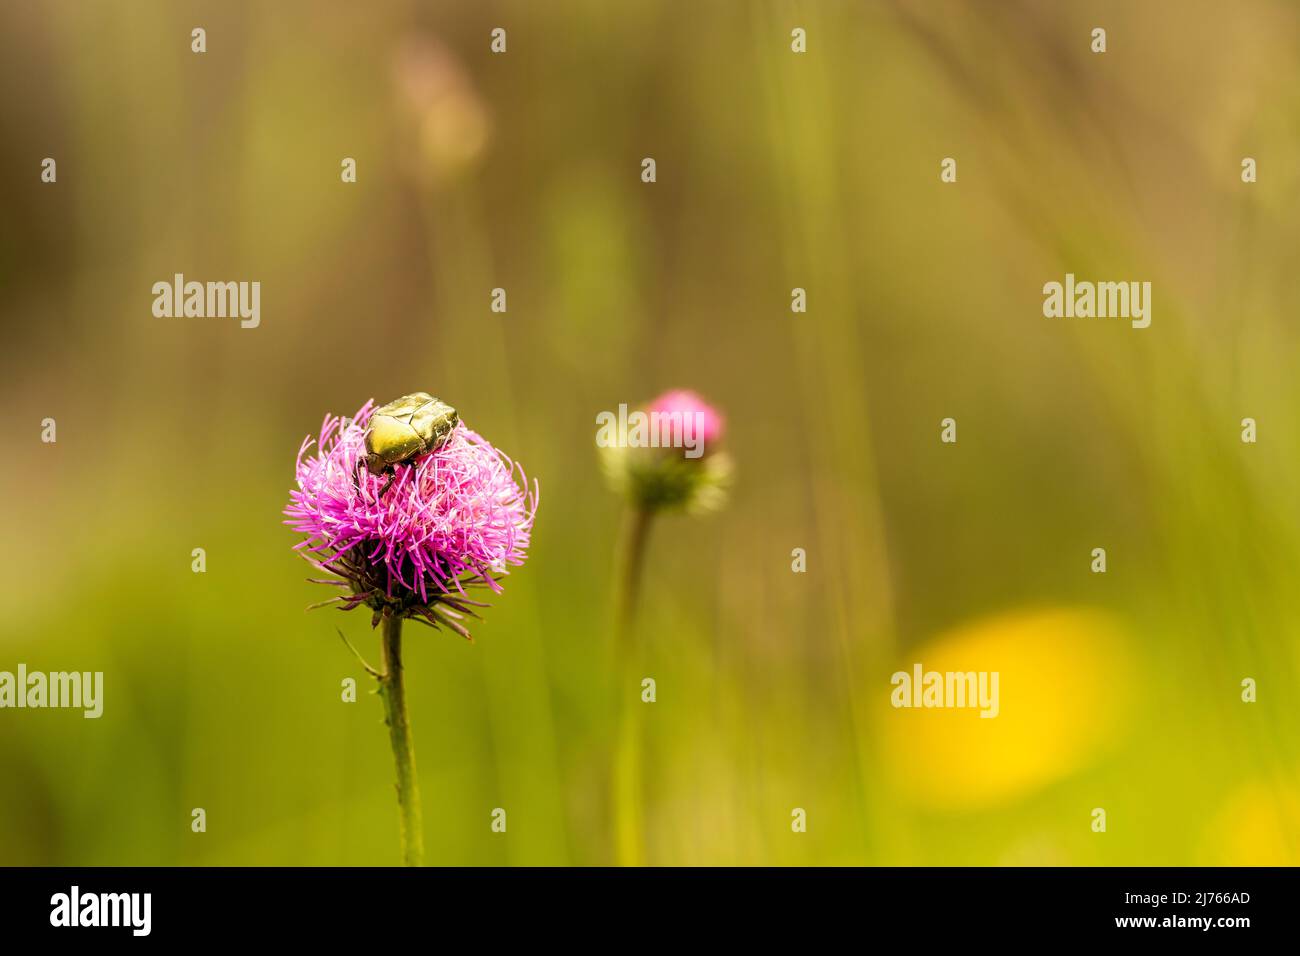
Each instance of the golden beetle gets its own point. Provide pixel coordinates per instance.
(406, 428)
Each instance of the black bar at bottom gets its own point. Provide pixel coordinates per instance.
(336, 906)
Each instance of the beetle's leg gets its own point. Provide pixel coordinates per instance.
(387, 484)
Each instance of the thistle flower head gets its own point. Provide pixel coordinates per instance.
(666, 478)
(693, 412)
(453, 519)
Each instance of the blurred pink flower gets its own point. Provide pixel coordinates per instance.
(452, 123)
(683, 405)
(454, 518)
(666, 478)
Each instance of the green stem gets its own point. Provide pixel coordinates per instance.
(629, 834)
(393, 691)
(631, 559)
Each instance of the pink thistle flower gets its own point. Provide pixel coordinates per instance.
(452, 519)
(693, 414)
(667, 478)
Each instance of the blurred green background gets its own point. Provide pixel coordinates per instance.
(775, 170)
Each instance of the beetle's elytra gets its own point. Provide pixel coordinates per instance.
(411, 426)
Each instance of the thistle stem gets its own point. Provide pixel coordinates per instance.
(629, 834)
(393, 692)
(631, 559)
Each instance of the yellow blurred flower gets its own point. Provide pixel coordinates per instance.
(1258, 825)
(1061, 688)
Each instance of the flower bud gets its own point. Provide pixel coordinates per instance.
(658, 475)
